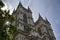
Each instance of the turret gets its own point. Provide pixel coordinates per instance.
(14, 10)
(40, 18)
(19, 5)
(29, 9)
(46, 21)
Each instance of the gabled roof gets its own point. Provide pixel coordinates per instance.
(39, 19)
(20, 5)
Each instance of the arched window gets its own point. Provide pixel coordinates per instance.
(26, 28)
(25, 18)
(39, 30)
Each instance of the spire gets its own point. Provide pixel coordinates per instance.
(47, 20)
(40, 16)
(14, 10)
(29, 9)
(39, 19)
(20, 4)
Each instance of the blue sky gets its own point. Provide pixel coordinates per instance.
(47, 8)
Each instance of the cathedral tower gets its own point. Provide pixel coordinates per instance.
(27, 29)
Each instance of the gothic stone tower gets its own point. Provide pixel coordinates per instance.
(27, 29)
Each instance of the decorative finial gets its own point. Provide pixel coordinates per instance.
(29, 9)
(20, 4)
(47, 20)
(40, 16)
(14, 10)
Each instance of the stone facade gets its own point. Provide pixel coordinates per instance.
(27, 29)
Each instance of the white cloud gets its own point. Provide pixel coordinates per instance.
(5, 7)
(8, 6)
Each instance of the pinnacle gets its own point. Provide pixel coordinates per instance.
(40, 16)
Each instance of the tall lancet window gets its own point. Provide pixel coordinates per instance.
(25, 18)
(39, 30)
